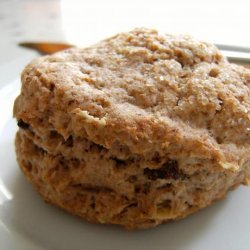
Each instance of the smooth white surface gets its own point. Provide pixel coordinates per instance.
(26, 222)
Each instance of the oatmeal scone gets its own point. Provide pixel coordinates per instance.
(137, 130)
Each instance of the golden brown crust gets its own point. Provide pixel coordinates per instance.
(102, 190)
(142, 99)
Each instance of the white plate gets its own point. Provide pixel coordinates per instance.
(26, 222)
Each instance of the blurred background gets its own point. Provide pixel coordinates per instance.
(86, 22)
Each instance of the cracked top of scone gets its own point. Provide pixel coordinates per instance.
(148, 92)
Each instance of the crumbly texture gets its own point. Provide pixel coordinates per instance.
(140, 129)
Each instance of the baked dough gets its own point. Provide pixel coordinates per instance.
(137, 130)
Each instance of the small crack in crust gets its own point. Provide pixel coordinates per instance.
(160, 122)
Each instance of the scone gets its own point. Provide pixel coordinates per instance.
(137, 130)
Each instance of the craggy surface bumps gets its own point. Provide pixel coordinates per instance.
(136, 130)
